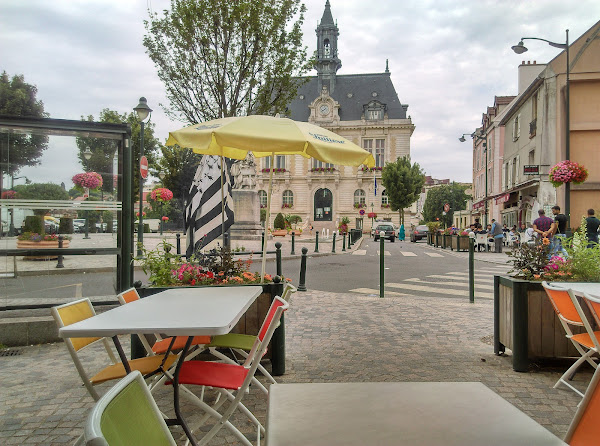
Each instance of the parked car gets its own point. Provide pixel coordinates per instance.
(385, 231)
(79, 225)
(420, 232)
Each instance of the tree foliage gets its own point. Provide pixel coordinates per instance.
(403, 182)
(18, 98)
(103, 150)
(179, 167)
(220, 58)
(41, 191)
(453, 194)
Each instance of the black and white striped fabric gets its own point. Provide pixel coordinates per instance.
(203, 210)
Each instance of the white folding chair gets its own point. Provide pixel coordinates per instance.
(82, 309)
(569, 313)
(514, 239)
(243, 343)
(127, 415)
(481, 240)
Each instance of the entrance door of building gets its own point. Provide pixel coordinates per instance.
(323, 205)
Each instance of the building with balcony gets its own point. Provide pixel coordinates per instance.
(363, 108)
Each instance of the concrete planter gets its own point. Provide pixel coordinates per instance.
(250, 323)
(525, 322)
(460, 243)
(28, 244)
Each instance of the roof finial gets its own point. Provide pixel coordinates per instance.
(387, 67)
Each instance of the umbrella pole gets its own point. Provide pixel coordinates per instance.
(222, 205)
(267, 221)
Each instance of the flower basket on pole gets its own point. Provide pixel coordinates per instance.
(567, 172)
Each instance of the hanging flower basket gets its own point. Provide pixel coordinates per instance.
(137, 214)
(9, 195)
(161, 194)
(567, 172)
(87, 180)
(165, 218)
(372, 215)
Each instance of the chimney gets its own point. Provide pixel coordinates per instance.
(528, 72)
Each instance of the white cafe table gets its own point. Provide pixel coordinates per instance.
(592, 288)
(398, 413)
(174, 312)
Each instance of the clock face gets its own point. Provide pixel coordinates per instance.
(324, 109)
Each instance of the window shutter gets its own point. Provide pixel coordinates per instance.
(504, 176)
(517, 164)
(509, 182)
(518, 125)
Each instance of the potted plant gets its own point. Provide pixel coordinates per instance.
(567, 172)
(34, 240)
(524, 320)
(460, 241)
(343, 225)
(432, 228)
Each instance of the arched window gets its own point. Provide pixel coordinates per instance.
(262, 196)
(359, 197)
(326, 48)
(288, 198)
(384, 198)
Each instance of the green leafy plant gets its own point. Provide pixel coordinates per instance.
(35, 237)
(433, 226)
(529, 261)
(343, 226)
(279, 222)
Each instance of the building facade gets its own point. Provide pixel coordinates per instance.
(363, 108)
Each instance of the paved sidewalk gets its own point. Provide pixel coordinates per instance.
(330, 337)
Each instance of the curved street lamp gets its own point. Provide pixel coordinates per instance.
(480, 137)
(520, 48)
(143, 111)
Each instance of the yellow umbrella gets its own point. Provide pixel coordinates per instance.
(269, 136)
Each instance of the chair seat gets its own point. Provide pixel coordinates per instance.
(585, 339)
(233, 340)
(212, 374)
(143, 365)
(163, 345)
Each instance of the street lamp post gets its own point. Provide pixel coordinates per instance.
(477, 137)
(520, 49)
(142, 111)
(161, 175)
(87, 154)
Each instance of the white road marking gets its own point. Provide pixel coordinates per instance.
(360, 252)
(433, 254)
(372, 291)
(385, 253)
(408, 254)
(429, 289)
(451, 283)
(448, 277)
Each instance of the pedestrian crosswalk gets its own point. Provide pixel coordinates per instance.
(454, 285)
(363, 252)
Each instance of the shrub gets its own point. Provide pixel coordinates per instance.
(65, 226)
(34, 223)
(433, 226)
(279, 222)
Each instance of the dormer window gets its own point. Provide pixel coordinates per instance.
(374, 111)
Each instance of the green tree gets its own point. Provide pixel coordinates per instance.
(219, 58)
(41, 191)
(103, 150)
(453, 194)
(403, 182)
(18, 98)
(279, 222)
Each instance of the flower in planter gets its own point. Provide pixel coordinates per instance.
(87, 180)
(359, 205)
(137, 214)
(35, 237)
(161, 194)
(567, 172)
(165, 218)
(9, 195)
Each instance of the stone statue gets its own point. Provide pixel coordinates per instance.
(244, 173)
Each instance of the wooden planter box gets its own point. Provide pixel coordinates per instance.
(525, 322)
(446, 241)
(439, 240)
(430, 239)
(251, 322)
(28, 244)
(460, 243)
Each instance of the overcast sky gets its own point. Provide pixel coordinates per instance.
(448, 58)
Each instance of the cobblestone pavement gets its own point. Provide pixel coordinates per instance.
(330, 337)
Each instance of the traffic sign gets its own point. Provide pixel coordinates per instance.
(144, 166)
(361, 212)
(446, 207)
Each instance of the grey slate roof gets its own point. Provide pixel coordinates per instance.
(327, 18)
(360, 86)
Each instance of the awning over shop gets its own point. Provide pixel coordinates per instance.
(503, 198)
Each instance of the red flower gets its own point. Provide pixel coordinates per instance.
(161, 194)
(165, 218)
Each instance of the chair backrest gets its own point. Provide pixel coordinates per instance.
(481, 238)
(128, 296)
(127, 415)
(68, 314)
(583, 430)
(593, 303)
(563, 304)
(288, 291)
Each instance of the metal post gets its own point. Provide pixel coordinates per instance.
(344, 242)
(86, 225)
(333, 246)
(278, 258)
(161, 218)
(302, 283)
(60, 257)
(317, 242)
(140, 240)
(293, 243)
(178, 244)
(262, 243)
(471, 270)
(278, 339)
(350, 239)
(568, 136)
(381, 267)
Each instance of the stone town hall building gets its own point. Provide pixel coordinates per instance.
(365, 109)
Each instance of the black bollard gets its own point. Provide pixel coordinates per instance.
(278, 339)
(350, 239)
(293, 244)
(60, 257)
(302, 283)
(317, 242)
(226, 241)
(344, 242)
(381, 267)
(262, 243)
(278, 258)
(471, 270)
(333, 247)
(178, 244)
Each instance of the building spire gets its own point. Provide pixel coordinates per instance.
(327, 18)
(387, 67)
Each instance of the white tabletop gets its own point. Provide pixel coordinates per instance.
(177, 311)
(397, 413)
(580, 287)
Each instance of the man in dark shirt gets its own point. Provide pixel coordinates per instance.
(542, 224)
(592, 225)
(558, 231)
(560, 220)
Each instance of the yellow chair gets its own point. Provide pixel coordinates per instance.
(82, 309)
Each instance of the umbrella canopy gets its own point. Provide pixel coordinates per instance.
(268, 136)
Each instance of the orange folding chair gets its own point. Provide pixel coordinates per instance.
(162, 345)
(583, 430)
(569, 313)
(82, 309)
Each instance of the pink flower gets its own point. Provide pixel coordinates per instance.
(88, 180)
(161, 194)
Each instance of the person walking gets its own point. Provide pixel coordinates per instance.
(498, 235)
(558, 232)
(592, 224)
